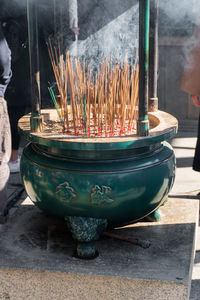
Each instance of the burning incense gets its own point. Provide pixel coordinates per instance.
(100, 104)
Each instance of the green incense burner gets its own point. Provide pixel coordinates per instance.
(93, 183)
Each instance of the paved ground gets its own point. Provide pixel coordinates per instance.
(187, 185)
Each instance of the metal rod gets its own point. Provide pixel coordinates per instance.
(142, 243)
(34, 64)
(153, 56)
(144, 16)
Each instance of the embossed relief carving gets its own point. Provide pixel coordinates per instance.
(101, 195)
(65, 193)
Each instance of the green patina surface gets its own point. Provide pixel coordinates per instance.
(87, 180)
(121, 189)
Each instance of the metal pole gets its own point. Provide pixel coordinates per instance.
(153, 56)
(144, 15)
(36, 120)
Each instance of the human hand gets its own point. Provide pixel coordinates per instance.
(195, 100)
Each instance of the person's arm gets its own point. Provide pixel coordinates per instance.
(195, 100)
(5, 64)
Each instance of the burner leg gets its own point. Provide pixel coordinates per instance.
(86, 231)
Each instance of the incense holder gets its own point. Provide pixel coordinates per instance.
(92, 182)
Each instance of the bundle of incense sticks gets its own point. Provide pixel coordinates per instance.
(95, 105)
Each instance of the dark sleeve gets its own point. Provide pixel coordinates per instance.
(5, 64)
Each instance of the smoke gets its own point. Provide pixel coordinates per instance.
(117, 38)
(179, 10)
(178, 18)
(106, 26)
(175, 10)
(175, 15)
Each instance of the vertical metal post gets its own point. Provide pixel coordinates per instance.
(144, 14)
(153, 56)
(36, 120)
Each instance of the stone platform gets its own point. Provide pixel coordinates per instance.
(37, 258)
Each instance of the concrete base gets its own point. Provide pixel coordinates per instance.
(37, 262)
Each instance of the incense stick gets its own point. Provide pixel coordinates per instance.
(55, 104)
(100, 104)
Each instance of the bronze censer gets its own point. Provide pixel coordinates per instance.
(99, 157)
